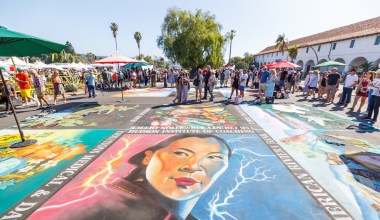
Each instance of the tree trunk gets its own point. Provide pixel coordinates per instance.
(116, 43)
(229, 59)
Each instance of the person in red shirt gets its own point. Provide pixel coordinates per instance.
(23, 81)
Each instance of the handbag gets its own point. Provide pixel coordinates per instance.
(358, 88)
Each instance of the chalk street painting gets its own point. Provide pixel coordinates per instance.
(340, 160)
(307, 117)
(85, 115)
(22, 170)
(202, 115)
(183, 176)
(146, 92)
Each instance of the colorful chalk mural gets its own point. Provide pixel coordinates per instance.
(340, 160)
(22, 170)
(166, 176)
(201, 115)
(78, 116)
(226, 92)
(146, 92)
(307, 117)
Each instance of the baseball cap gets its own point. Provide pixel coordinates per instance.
(334, 68)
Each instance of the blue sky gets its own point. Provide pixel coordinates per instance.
(257, 23)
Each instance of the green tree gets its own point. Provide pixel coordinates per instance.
(159, 62)
(293, 52)
(281, 43)
(69, 48)
(230, 36)
(138, 37)
(149, 59)
(367, 66)
(91, 57)
(192, 39)
(114, 28)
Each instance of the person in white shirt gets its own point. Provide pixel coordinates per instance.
(351, 81)
(374, 104)
(242, 82)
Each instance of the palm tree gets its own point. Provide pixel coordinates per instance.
(231, 36)
(138, 40)
(293, 52)
(367, 66)
(281, 43)
(114, 28)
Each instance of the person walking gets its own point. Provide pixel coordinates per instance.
(91, 80)
(322, 84)
(39, 88)
(333, 80)
(373, 106)
(59, 89)
(23, 81)
(313, 83)
(349, 84)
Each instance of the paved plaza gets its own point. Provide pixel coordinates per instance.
(295, 159)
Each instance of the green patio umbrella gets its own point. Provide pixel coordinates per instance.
(133, 65)
(330, 63)
(17, 44)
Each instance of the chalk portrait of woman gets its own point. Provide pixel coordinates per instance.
(168, 180)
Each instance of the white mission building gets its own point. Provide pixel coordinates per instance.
(353, 45)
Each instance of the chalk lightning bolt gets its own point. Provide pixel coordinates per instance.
(260, 174)
(108, 170)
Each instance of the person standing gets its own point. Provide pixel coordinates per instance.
(120, 77)
(185, 87)
(178, 87)
(283, 76)
(333, 80)
(371, 77)
(58, 87)
(373, 106)
(271, 83)
(235, 84)
(211, 84)
(23, 81)
(362, 91)
(91, 79)
(206, 79)
(39, 88)
(115, 79)
(226, 77)
(242, 83)
(349, 84)
(106, 80)
(263, 82)
(153, 78)
(313, 83)
(4, 97)
(198, 83)
(222, 78)
(322, 84)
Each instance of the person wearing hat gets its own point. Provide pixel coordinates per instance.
(333, 80)
(351, 81)
(374, 104)
(265, 75)
(4, 97)
(39, 88)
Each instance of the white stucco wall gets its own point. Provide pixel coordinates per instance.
(363, 50)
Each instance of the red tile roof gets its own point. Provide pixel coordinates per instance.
(360, 29)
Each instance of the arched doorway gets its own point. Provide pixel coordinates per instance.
(357, 62)
(300, 63)
(340, 68)
(308, 66)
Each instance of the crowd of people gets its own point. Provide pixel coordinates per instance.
(270, 84)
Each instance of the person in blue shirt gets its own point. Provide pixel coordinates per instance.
(90, 80)
(263, 82)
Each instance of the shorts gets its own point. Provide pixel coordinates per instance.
(25, 93)
(39, 93)
(281, 83)
(312, 87)
(263, 86)
(241, 88)
(331, 88)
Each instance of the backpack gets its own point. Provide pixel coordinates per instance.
(196, 82)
